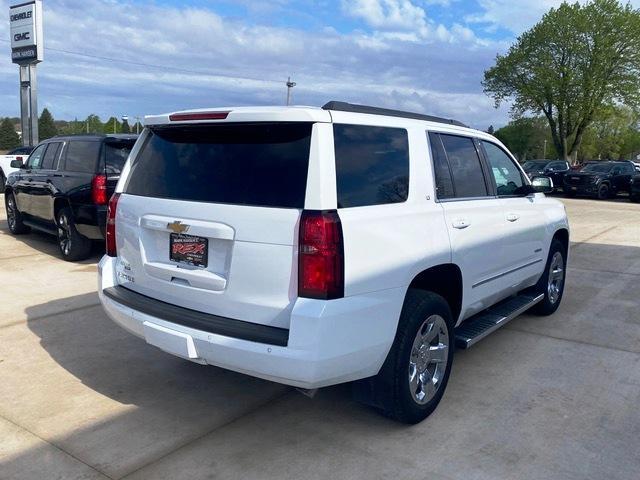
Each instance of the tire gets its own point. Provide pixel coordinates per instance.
(635, 198)
(604, 192)
(412, 352)
(14, 217)
(3, 182)
(72, 245)
(569, 193)
(554, 289)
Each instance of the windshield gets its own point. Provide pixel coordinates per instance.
(598, 167)
(533, 165)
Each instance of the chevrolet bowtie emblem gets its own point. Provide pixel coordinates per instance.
(177, 227)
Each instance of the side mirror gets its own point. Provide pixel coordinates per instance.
(542, 184)
(16, 164)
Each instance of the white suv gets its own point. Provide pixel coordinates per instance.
(315, 246)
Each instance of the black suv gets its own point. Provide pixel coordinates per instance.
(634, 190)
(556, 169)
(64, 188)
(600, 179)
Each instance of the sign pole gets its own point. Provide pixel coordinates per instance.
(25, 117)
(33, 107)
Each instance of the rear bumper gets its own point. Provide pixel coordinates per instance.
(329, 342)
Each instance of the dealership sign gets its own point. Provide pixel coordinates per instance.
(25, 20)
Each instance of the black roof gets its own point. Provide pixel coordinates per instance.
(351, 107)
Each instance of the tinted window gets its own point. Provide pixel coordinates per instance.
(558, 166)
(261, 164)
(444, 182)
(506, 174)
(628, 169)
(115, 155)
(372, 165)
(50, 156)
(35, 159)
(82, 156)
(21, 151)
(468, 179)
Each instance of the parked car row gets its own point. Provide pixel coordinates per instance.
(64, 187)
(602, 179)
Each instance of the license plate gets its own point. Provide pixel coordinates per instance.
(188, 249)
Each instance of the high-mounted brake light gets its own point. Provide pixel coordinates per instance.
(321, 256)
(183, 117)
(111, 226)
(99, 190)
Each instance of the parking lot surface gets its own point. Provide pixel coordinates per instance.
(553, 397)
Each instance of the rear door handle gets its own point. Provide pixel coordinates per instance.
(460, 223)
(512, 217)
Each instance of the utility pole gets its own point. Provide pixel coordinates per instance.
(290, 85)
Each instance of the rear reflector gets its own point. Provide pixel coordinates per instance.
(183, 117)
(99, 190)
(321, 256)
(111, 226)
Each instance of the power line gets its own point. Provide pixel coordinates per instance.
(163, 67)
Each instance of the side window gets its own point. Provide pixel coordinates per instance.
(372, 165)
(468, 178)
(35, 159)
(50, 156)
(617, 170)
(629, 169)
(558, 166)
(444, 182)
(505, 172)
(82, 156)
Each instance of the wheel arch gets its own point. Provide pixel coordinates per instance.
(444, 280)
(562, 235)
(58, 204)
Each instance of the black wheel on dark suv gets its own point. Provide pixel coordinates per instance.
(14, 217)
(604, 191)
(73, 246)
(3, 181)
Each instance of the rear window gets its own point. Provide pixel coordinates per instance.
(244, 164)
(372, 165)
(115, 156)
(82, 156)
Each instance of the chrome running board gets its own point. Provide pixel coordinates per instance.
(482, 324)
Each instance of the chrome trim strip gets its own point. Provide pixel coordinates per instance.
(495, 277)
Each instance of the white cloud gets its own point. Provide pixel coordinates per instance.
(411, 63)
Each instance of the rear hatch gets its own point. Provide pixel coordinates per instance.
(208, 218)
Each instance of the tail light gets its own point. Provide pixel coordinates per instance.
(111, 225)
(321, 256)
(99, 190)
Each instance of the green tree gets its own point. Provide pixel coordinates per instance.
(125, 126)
(8, 136)
(527, 138)
(112, 126)
(46, 125)
(576, 61)
(614, 135)
(93, 125)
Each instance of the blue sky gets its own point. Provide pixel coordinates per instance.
(419, 55)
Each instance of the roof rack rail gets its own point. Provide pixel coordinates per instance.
(351, 107)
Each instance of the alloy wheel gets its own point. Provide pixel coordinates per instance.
(428, 359)
(64, 235)
(556, 277)
(11, 212)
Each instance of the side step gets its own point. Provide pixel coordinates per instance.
(482, 324)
